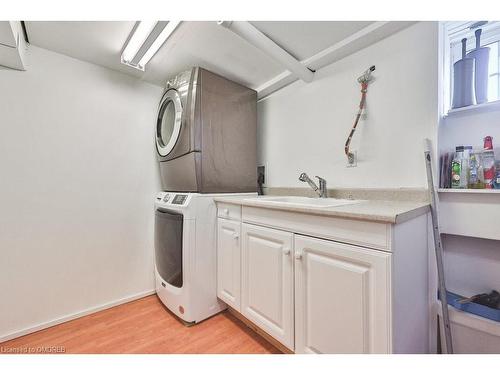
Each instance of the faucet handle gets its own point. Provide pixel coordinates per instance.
(322, 187)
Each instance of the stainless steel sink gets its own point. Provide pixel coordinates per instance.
(305, 201)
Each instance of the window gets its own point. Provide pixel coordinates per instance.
(490, 37)
(494, 72)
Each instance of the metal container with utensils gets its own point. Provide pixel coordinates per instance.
(482, 56)
(463, 80)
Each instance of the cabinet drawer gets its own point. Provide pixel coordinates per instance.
(229, 211)
(367, 234)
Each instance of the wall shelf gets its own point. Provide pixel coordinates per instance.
(469, 191)
(470, 212)
(471, 333)
(490, 106)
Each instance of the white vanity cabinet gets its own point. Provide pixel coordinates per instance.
(267, 281)
(320, 284)
(342, 298)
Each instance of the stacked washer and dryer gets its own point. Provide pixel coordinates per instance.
(206, 147)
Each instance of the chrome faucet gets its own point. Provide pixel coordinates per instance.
(321, 190)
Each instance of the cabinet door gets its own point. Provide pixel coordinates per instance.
(229, 262)
(267, 281)
(342, 298)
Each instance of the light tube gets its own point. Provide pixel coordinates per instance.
(135, 42)
(143, 34)
(164, 35)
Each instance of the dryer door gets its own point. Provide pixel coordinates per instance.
(168, 125)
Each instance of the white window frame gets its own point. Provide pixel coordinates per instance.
(451, 34)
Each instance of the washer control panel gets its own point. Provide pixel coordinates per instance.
(177, 199)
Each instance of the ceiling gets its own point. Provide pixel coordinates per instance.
(305, 39)
(195, 43)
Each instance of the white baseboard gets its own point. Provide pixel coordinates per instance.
(69, 317)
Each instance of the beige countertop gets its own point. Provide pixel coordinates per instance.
(393, 212)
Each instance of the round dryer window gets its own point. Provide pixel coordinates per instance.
(168, 125)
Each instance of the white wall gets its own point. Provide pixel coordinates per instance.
(304, 126)
(472, 264)
(469, 128)
(78, 177)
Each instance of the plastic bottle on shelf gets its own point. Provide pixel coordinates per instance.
(476, 175)
(465, 167)
(474, 171)
(488, 162)
(496, 180)
(480, 169)
(456, 168)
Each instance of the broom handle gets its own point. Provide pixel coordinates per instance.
(438, 247)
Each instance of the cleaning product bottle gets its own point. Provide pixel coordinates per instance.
(480, 169)
(465, 167)
(473, 172)
(456, 168)
(488, 162)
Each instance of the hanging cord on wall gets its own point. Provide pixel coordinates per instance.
(364, 79)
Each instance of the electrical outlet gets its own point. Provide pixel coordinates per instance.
(261, 174)
(352, 159)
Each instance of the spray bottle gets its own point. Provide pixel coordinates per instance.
(488, 162)
(456, 168)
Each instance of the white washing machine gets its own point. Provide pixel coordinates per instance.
(185, 254)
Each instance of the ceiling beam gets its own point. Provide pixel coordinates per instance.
(255, 37)
(12, 45)
(363, 38)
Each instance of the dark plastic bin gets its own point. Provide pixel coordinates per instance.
(472, 308)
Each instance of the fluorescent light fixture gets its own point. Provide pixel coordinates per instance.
(164, 35)
(137, 39)
(146, 39)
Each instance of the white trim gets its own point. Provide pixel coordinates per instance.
(483, 107)
(462, 30)
(472, 321)
(274, 84)
(445, 70)
(67, 318)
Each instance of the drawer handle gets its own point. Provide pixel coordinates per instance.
(298, 255)
(286, 251)
(236, 236)
(225, 211)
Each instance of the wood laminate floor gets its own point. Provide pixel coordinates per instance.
(145, 326)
